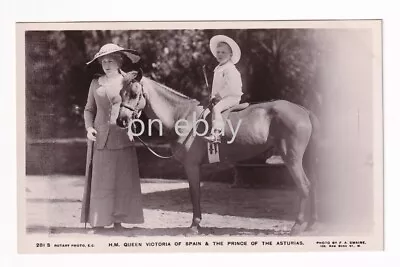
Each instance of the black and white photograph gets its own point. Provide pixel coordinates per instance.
(200, 136)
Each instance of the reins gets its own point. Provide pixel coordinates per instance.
(184, 141)
(135, 109)
(135, 113)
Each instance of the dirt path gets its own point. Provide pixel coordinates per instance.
(54, 206)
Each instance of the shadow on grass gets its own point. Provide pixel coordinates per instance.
(219, 199)
(137, 231)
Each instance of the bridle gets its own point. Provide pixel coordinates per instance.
(135, 109)
(135, 115)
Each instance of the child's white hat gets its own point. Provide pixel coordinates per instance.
(236, 53)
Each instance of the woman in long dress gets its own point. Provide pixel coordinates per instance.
(115, 192)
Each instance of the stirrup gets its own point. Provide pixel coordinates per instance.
(214, 137)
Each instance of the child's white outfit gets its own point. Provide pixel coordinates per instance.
(227, 84)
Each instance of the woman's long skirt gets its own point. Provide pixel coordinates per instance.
(115, 191)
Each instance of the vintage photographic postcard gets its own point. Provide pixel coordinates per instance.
(235, 136)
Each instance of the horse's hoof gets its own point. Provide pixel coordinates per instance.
(311, 226)
(296, 229)
(239, 185)
(236, 186)
(192, 231)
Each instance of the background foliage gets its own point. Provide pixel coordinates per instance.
(275, 64)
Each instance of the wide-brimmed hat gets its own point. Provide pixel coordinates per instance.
(215, 40)
(107, 49)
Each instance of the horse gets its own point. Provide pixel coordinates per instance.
(285, 126)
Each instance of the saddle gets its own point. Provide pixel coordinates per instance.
(207, 116)
(225, 113)
(213, 149)
(238, 107)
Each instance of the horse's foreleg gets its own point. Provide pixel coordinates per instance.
(237, 179)
(193, 175)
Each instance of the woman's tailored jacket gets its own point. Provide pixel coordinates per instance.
(101, 112)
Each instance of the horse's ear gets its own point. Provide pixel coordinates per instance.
(134, 75)
(139, 75)
(123, 73)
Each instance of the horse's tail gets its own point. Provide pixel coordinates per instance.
(312, 152)
(316, 127)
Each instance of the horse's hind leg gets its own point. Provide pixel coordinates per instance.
(303, 186)
(311, 164)
(293, 156)
(313, 217)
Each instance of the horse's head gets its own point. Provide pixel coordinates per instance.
(132, 98)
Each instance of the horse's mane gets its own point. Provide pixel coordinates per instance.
(172, 90)
(169, 92)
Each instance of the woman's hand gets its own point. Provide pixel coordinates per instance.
(218, 97)
(91, 134)
(215, 99)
